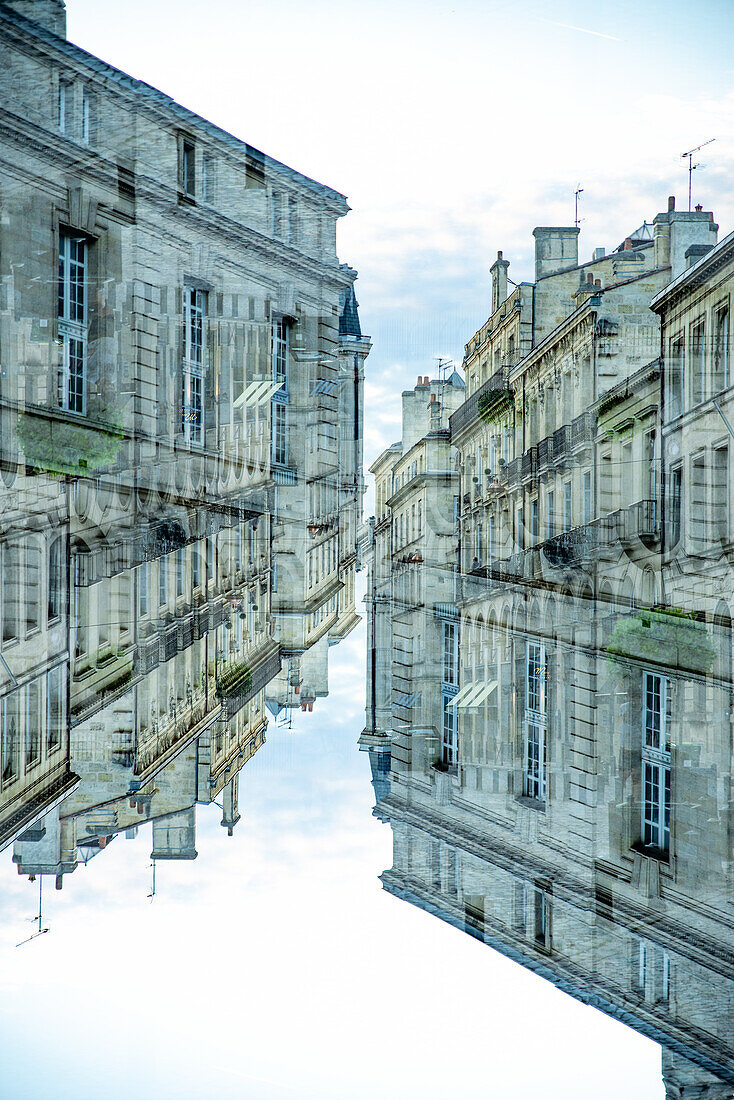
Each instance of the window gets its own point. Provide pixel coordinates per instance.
(534, 525)
(650, 460)
(64, 106)
(10, 737)
(33, 723)
(195, 576)
(180, 572)
(293, 222)
(448, 732)
(491, 541)
(280, 434)
(519, 527)
(11, 589)
(280, 401)
(72, 322)
(88, 111)
(207, 177)
(420, 518)
(187, 173)
(535, 764)
(698, 362)
(567, 506)
(656, 762)
(55, 706)
(54, 580)
(143, 589)
(192, 377)
(276, 214)
(674, 396)
(32, 585)
(209, 559)
(162, 580)
(697, 528)
(675, 506)
(550, 513)
(450, 653)
(587, 497)
(721, 349)
(720, 493)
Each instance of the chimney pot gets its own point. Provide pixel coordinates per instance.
(627, 244)
(699, 208)
(671, 203)
(597, 282)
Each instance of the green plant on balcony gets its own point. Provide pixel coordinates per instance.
(669, 637)
(66, 445)
(494, 403)
(234, 679)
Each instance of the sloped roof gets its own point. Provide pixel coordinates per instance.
(349, 314)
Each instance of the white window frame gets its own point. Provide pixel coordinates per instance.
(73, 278)
(656, 762)
(194, 366)
(535, 762)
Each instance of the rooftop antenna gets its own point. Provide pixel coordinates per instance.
(692, 167)
(579, 191)
(444, 364)
(151, 895)
(41, 930)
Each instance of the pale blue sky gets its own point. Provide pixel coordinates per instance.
(453, 128)
(274, 967)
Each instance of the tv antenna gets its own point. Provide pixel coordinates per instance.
(692, 167)
(41, 930)
(444, 363)
(579, 191)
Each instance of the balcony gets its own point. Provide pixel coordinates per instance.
(493, 394)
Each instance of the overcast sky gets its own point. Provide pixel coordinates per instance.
(453, 129)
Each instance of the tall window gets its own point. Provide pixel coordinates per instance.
(698, 361)
(162, 580)
(650, 459)
(54, 579)
(32, 584)
(55, 706)
(72, 322)
(33, 723)
(656, 761)
(721, 349)
(188, 168)
(675, 506)
(87, 116)
(10, 737)
(674, 395)
(64, 106)
(535, 764)
(143, 589)
(450, 653)
(180, 571)
(550, 513)
(209, 559)
(519, 528)
(534, 523)
(195, 575)
(280, 397)
(11, 589)
(567, 506)
(697, 517)
(720, 493)
(448, 732)
(587, 497)
(192, 378)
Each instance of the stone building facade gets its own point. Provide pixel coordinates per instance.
(580, 820)
(181, 404)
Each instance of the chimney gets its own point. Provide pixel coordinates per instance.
(627, 244)
(556, 249)
(694, 252)
(50, 14)
(671, 203)
(498, 271)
